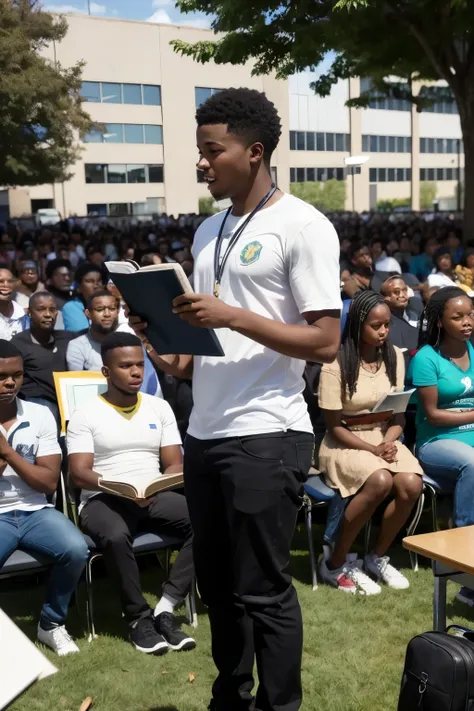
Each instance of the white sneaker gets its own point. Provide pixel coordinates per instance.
(381, 569)
(337, 578)
(58, 639)
(365, 585)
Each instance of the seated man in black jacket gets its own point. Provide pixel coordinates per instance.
(43, 350)
(404, 325)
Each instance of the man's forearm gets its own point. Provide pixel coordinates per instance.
(180, 366)
(305, 342)
(39, 478)
(85, 479)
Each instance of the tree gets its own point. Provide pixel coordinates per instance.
(41, 114)
(416, 40)
(328, 196)
(207, 206)
(427, 194)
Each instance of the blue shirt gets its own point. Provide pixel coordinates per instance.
(455, 392)
(421, 265)
(74, 317)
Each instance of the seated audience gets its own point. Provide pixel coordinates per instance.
(366, 461)
(43, 350)
(13, 318)
(89, 278)
(421, 265)
(382, 262)
(83, 353)
(443, 273)
(404, 323)
(58, 280)
(31, 460)
(443, 373)
(29, 283)
(465, 271)
(125, 433)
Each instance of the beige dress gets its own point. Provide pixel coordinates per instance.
(348, 469)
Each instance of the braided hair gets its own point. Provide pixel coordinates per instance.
(430, 331)
(349, 353)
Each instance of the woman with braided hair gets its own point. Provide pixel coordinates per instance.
(443, 373)
(360, 455)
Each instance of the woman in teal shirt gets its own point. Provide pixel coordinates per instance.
(443, 373)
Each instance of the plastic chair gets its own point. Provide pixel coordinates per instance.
(317, 495)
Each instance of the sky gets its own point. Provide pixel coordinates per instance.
(163, 11)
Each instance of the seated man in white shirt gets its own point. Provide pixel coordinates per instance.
(123, 433)
(30, 460)
(13, 318)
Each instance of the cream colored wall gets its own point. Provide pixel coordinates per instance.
(140, 53)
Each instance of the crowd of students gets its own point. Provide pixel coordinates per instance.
(407, 321)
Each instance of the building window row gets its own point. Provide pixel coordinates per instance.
(118, 173)
(202, 94)
(319, 175)
(384, 102)
(114, 93)
(441, 145)
(311, 141)
(439, 173)
(386, 144)
(389, 175)
(122, 209)
(126, 133)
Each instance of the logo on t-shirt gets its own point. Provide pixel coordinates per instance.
(467, 384)
(250, 253)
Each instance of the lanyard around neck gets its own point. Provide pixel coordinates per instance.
(219, 263)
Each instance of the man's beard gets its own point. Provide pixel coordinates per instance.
(104, 330)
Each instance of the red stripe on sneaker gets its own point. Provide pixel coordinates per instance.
(345, 582)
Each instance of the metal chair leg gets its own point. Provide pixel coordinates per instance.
(413, 526)
(190, 602)
(90, 599)
(434, 510)
(367, 534)
(167, 562)
(309, 528)
(439, 604)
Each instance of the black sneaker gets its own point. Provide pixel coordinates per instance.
(167, 625)
(145, 638)
(466, 595)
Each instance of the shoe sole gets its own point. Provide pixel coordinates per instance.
(158, 650)
(185, 646)
(465, 600)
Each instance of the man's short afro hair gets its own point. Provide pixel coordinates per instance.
(248, 113)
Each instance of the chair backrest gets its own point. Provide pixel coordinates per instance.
(74, 389)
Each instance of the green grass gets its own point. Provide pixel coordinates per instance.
(353, 648)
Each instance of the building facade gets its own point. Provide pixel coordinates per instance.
(145, 96)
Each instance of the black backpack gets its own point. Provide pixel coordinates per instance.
(438, 674)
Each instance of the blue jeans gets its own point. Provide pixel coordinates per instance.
(451, 464)
(50, 533)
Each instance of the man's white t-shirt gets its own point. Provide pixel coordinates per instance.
(34, 434)
(122, 444)
(284, 264)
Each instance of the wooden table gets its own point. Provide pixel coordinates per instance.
(452, 556)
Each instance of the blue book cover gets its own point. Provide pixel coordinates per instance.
(149, 294)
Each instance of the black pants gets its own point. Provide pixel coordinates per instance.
(112, 522)
(243, 496)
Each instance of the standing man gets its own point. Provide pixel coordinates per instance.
(267, 277)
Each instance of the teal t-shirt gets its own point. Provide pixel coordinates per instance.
(455, 392)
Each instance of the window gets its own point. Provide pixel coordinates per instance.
(118, 209)
(365, 144)
(408, 144)
(113, 133)
(422, 174)
(311, 175)
(372, 175)
(112, 93)
(347, 142)
(449, 173)
(292, 175)
(321, 174)
(116, 173)
(439, 173)
(382, 175)
(374, 145)
(155, 174)
(93, 136)
(339, 173)
(400, 144)
(400, 175)
(391, 175)
(132, 94)
(423, 147)
(431, 174)
(329, 141)
(391, 144)
(383, 144)
(310, 141)
(440, 145)
(151, 95)
(300, 141)
(450, 145)
(153, 134)
(136, 174)
(292, 140)
(95, 173)
(202, 94)
(431, 145)
(320, 142)
(133, 133)
(339, 141)
(300, 175)
(90, 91)
(199, 175)
(96, 209)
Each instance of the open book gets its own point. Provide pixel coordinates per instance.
(149, 293)
(22, 663)
(141, 486)
(396, 403)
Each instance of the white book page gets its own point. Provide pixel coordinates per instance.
(21, 662)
